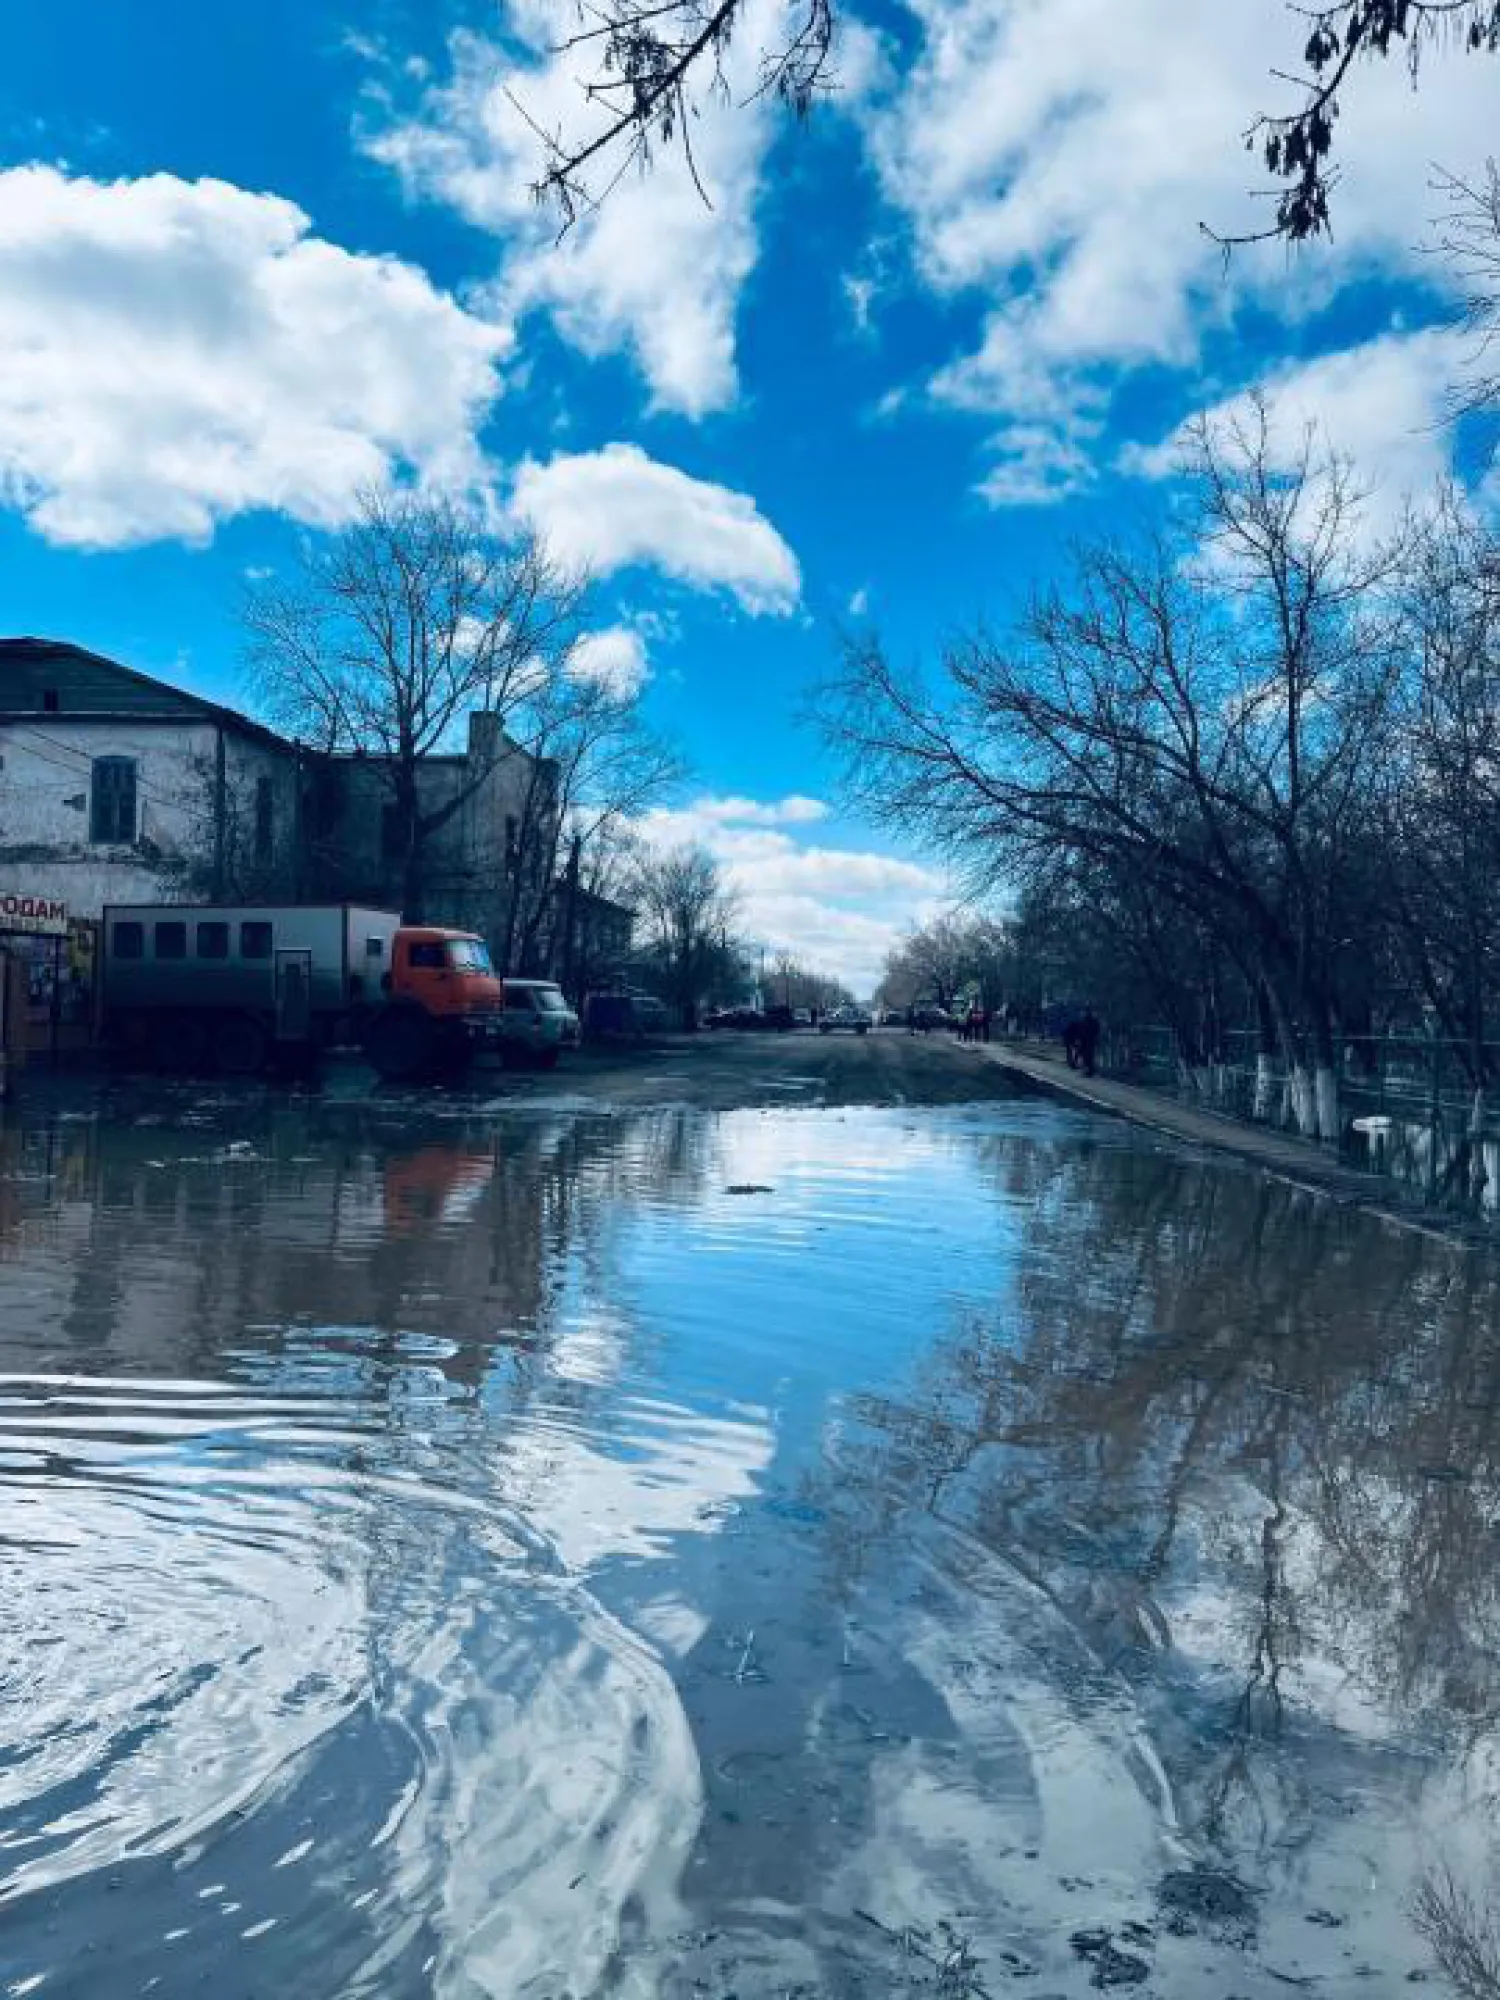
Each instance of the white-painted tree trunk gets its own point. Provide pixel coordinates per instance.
(1326, 1091)
(1265, 1087)
(1304, 1104)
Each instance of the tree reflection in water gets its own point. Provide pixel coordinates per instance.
(1244, 1442)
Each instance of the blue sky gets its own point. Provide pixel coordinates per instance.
(252, 256)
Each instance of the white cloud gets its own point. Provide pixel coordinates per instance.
(793, 810)
(655, 271)
(1383, 405)
(1056, 158)
(614, 658)
(611, 509)
(840, 910)
(859, 603)
(173, 353)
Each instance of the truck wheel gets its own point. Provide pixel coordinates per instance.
(399, 1047)
(239, 1046)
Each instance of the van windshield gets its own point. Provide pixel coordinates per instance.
(549, 1000)
(469, 955)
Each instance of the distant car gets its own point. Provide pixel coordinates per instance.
(929, 1018)
(782, 1019)
(855, 1019)
(802, 1016)
(734, 1017)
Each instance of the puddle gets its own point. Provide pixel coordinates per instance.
(459, 1555)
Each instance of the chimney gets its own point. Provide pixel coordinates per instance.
(484, 738)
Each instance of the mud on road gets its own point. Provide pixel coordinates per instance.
(729, 1071)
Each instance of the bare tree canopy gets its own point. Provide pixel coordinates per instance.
(1297, 146)
(395, 629)
(647, 64)
(649, 61)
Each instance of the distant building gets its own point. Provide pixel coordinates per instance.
(119, 787)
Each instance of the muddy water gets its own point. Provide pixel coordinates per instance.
(482, 1553)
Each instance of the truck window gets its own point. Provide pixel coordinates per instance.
(426, 957)
(171, 940)
(255, 940)
(469, 955)
(130, 940)
(374, 947)
(213, 940)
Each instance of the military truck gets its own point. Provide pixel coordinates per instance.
(232, 989)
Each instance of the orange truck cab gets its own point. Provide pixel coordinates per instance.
(442, 1004)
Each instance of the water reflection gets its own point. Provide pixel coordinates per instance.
(459, 1553)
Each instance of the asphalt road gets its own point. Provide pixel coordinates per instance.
(723, 1071)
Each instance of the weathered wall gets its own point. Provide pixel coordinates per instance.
(45, 786)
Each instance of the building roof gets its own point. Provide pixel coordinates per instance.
(101, 688)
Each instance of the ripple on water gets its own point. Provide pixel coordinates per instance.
(296, 1701)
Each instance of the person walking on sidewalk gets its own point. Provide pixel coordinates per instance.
(1087, 1031)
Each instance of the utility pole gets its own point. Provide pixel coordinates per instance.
(570, 918)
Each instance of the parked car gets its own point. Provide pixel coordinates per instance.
(802, 1017)
(782, 1019)
(733, 1017)
(853, 1018)
(931, 1018)
(537, 1024)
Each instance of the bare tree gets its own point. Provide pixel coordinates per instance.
(1203, 715)
(596, 767)
(393, 631)
(688, 915)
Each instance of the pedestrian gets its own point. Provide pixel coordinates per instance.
(911, 1020)
(1071, 1041)
(1088, 1032)
(976, 1022)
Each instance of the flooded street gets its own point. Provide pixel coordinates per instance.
(539, 1546)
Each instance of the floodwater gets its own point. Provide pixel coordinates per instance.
(466, 1552)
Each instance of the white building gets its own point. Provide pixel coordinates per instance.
(115, 787)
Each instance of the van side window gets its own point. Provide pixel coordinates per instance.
(255, 940)
(213, 940)
(171, 940)
(130, 940)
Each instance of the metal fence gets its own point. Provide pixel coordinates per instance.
(1410, 1106)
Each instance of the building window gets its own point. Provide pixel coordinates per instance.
(255, 940)
(263, 819)
(171, 940)
(512, 834)
(112, 801)
(213, 940)
(393, 842)
(130, 940)
(50, 702)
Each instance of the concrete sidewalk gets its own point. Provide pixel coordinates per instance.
(1299, 1161)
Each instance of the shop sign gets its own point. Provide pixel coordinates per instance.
(37, 916)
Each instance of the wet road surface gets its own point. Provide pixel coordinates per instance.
(548, 1545)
